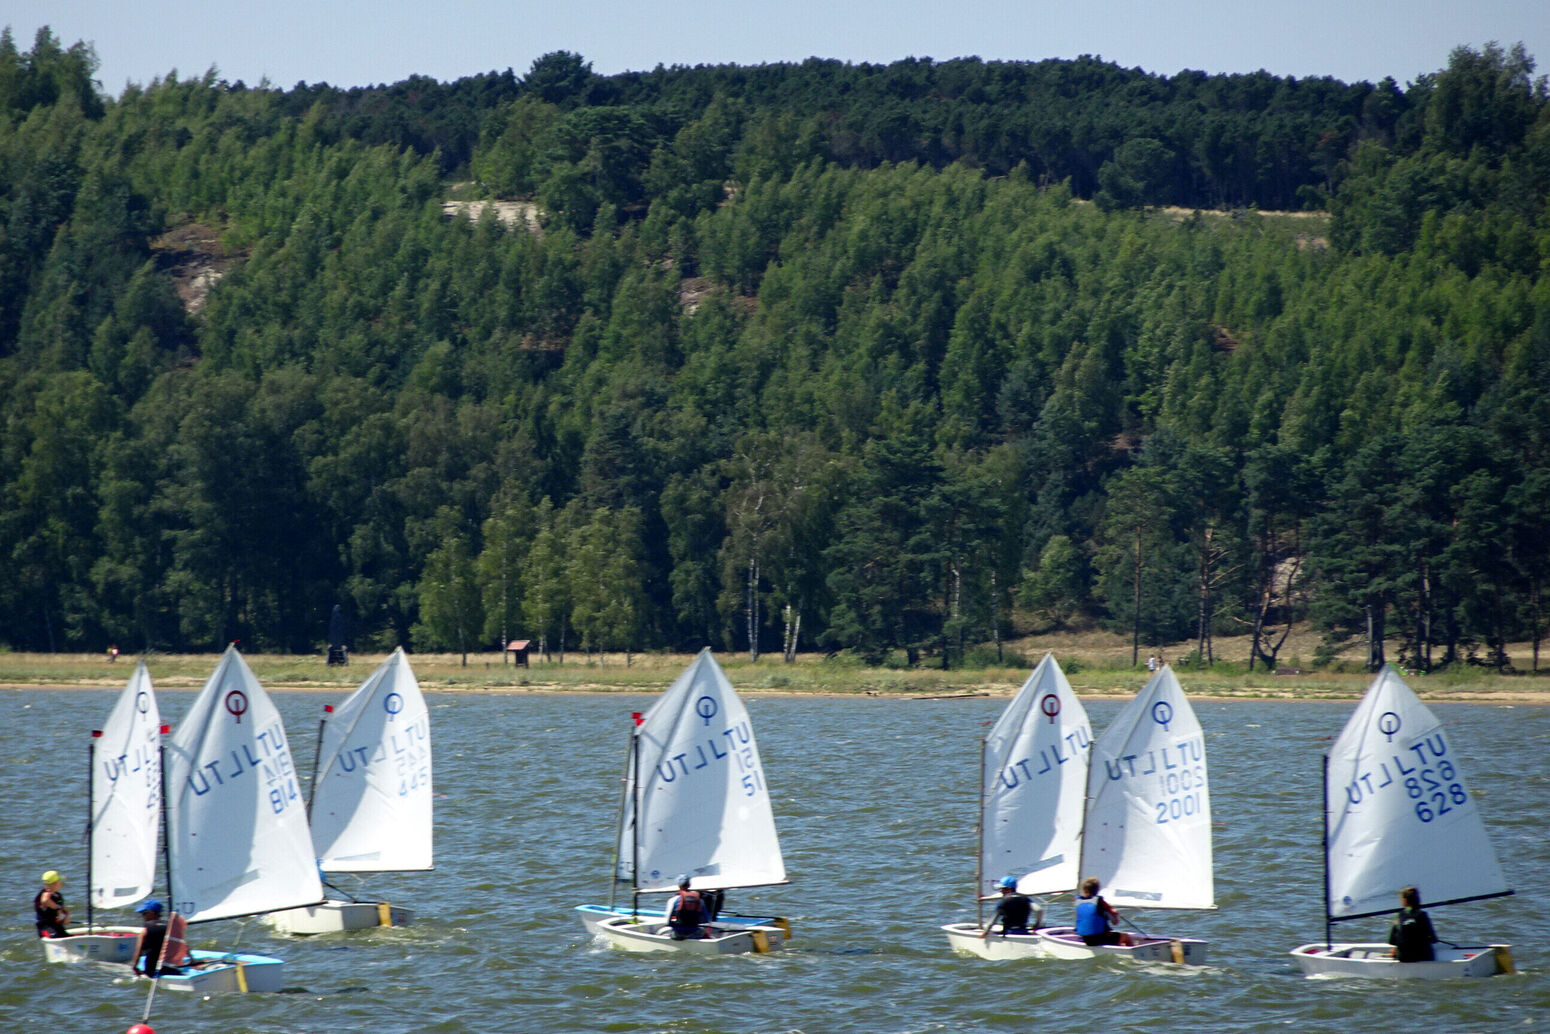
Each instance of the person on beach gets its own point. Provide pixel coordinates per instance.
(1412, 935)
(49, 906)
(1012, 911)
(1095, 917)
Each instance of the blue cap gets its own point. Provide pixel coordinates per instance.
(683, 881)
(1009, 882)
(149, 905)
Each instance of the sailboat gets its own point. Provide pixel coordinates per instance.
(1147, 832)
(695, 804)
(1397, 814)
(237, 837)
(1033, 778)
(370, 804)
(124, 816)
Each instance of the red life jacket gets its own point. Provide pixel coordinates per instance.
(688, 909)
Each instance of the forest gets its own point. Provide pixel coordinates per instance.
(894, 362)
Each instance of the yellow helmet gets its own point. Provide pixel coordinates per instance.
(52, 876)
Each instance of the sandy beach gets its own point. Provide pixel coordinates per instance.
(1096, 663)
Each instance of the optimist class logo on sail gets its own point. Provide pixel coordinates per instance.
(1421, 770)
(709, 748)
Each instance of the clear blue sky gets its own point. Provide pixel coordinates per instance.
(362, 42)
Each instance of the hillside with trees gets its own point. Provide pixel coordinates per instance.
(892, 360)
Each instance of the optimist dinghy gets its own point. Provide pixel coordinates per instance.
(695, 803)
(1398, 814)
(1147, 832)
(1033, 775)
(124, 817)
(237, 838)
(370, 806)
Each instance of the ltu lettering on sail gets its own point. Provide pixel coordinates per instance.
(411, 737)
(271, 744)
(1428, 750)
(140, 759)
(1167, 759)
(359, 757)
(701, 754)
(1050, 757)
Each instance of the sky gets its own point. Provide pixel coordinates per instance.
(362, 43)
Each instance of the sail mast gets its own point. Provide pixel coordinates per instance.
(635, 826)
(91, 818)
(1329, 935)
(624, 799)
(317, 758)
(166, 832)
(979, 838)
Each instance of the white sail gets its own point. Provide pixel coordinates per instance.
(1147, 836)
(1035, 780)
(704, 805)
(371, 805)
(126, 796)
(238, 842)
(1398, 811)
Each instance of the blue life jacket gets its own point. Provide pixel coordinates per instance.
(1091, 919)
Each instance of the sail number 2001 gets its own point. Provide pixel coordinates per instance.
(1184, 787)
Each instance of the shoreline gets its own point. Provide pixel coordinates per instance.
(1097, 665)
(1503, 698)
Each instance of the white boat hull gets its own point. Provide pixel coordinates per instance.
(965, 938)
(209, 972)
(337, 917)
(216, 972)
(1372, 960)
(114, 945)
(1062, 942)
(592, 917)
(627, 935)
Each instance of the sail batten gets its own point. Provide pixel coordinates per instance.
(1034, 778)
(1147, 835)
(1399, 812)
(238, 842)
(704, 806)
(126, 797)
(372, 805)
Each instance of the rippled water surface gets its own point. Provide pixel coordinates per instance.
(875, 802)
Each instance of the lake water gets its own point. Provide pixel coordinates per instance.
(875, 801)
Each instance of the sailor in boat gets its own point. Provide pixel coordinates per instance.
(1012, 911)
(1412, 935)
(152, 937)
(49, 906)
(1095, 917)
(686, 913)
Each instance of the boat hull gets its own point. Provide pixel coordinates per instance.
(592, 917)
(965, 938)
(114, 945)
(1062, 942)
(218, 972)
(625, 934)
(337, 917)
(1372, 960)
